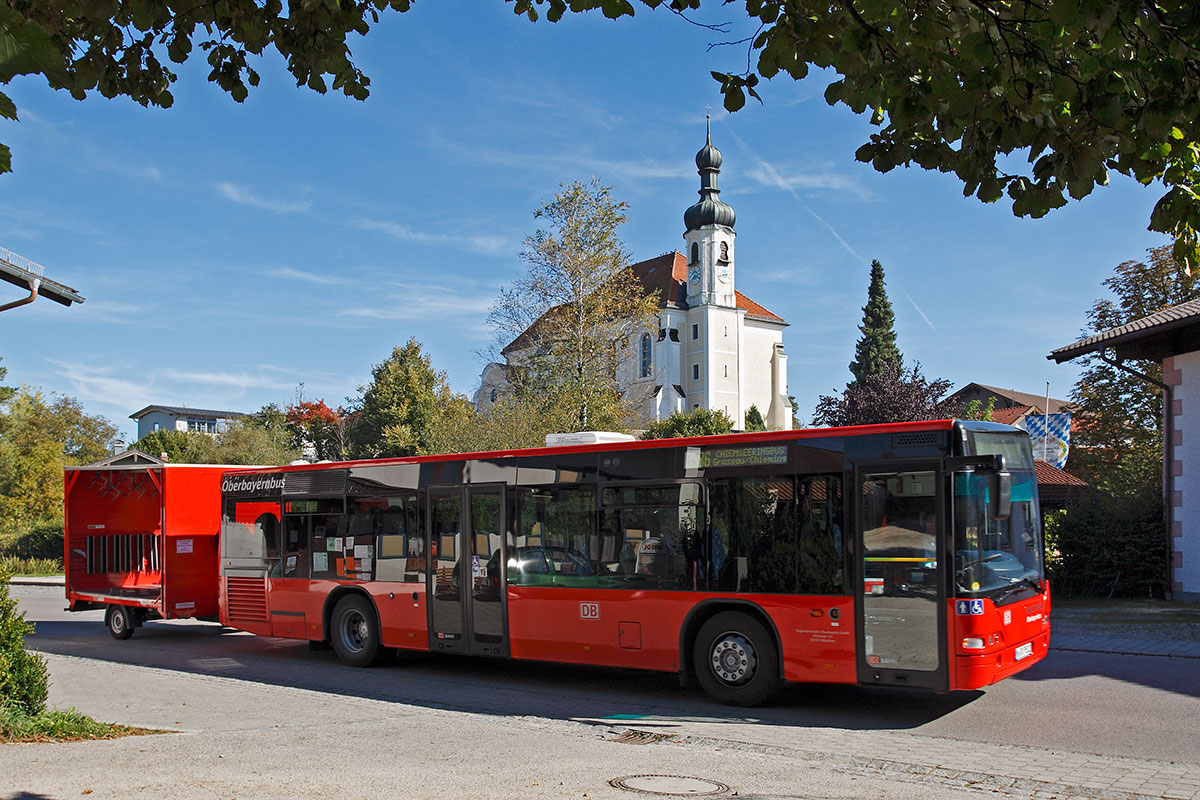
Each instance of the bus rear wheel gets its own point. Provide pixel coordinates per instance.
(736, 660)
(120, 621)
(354, 632)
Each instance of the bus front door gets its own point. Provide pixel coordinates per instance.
(467, 612)
(901, 616)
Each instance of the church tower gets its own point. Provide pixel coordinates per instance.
(712, 340)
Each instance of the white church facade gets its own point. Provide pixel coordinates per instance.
(713, 347)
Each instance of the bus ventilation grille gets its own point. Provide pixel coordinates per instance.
(247, 599)
(324, 482)
(921, 439)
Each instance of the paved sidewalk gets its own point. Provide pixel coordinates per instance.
(1074, 636)
(32, 580)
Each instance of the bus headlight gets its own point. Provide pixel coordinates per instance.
(972, 643)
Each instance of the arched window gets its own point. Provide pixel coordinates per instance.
(695, 252)
(645, 359)
(724, 251)
(492, 396)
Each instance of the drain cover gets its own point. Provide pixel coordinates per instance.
(669, 784)
(640, 737)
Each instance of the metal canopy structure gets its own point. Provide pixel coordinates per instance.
(29, 275)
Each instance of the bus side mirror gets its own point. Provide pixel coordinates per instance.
(999, 495)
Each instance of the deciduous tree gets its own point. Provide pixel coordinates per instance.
(1117, 445)
(40, 435)
(697, 422)
(565, 318)
(891, 395)
(317, 426)
(876, 348)
(399, 406)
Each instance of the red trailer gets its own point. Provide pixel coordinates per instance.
(141, 542)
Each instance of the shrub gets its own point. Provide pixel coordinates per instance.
(39, 540)
(1110, 546)
(24, 680)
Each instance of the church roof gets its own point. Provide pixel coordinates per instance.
(667, 275)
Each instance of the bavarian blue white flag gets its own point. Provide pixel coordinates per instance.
(1050, 435)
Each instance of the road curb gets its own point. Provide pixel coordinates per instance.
(37, 580)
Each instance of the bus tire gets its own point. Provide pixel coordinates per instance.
(354, 632)
(120, 621)
(736, 660)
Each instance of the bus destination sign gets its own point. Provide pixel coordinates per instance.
(744, 456)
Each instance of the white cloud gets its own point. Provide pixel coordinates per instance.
(99, 386)
(243, 196)
(239, 379)
(478, 243)
(818, 180)
(309, 277)
(429, 301)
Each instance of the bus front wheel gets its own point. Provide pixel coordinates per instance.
(119, 621)
(354, 632)
(737, 662)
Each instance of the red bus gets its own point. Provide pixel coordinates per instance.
(907, 554)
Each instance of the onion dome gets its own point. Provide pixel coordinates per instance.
(709, 210)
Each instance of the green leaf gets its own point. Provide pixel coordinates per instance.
(24, 46)
(8, 109)
(5, 159)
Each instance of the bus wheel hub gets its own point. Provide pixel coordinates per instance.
(733, 658)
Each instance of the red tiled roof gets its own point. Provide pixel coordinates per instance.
(755, 311)
(1057, 488)
(1007, 416)
(667, 275)
(1050, 475)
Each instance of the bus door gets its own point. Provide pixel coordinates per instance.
(899, 514)
(467, 612)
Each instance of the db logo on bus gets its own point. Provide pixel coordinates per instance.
(589, 611)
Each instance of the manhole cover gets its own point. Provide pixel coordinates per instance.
(669, 784)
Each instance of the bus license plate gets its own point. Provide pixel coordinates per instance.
(1024, 651)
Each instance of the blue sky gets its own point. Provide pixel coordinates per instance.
(228, 252)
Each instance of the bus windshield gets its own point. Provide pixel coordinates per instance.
(998, 558)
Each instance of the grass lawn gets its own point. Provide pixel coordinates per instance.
(60, 726)
(30, 567)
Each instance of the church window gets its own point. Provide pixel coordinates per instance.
(645, 360)
(695, 372)
(724, 251)
(492, 396)
(695, 332)
(695, 252)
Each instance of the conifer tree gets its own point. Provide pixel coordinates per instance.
(876, 348)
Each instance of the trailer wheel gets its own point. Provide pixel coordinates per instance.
(354, 632)
(120, 621)
(736, 660)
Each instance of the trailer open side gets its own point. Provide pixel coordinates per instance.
(140, 542)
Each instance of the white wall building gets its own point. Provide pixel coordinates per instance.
(182, 418)
(713, 347)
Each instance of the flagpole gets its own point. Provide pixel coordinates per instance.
(1046, 419)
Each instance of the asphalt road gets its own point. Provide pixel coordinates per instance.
(1122, 707)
